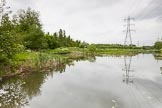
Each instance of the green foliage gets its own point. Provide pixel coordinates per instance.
(27, 19)
(112, 46)
(92, 48)
(35, 39)
(117, 51)
(83, 45)
(62, 51)
(158, 45)
(24, 31)
(8, 43)
(27, 24)
(60, 39)
(52, 41)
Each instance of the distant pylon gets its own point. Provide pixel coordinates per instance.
(128, 31)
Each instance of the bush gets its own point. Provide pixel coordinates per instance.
(158, 45)
(92, 48)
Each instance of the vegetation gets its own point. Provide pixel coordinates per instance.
(24, 45)
(158, 45)
(24, 31)
(116, 46)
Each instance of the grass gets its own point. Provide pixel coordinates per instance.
(32, 60)
(117, 52)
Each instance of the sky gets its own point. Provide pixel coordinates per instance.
(98, 21)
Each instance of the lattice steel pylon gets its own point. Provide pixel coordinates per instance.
(128, 31)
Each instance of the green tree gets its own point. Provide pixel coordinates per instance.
(8, 42)
(158, 45)
(92, 48)
(29, 26)
(61, 37)
(52, 41)
(56, 40)
(28, 18)
(83, 45)
(35, 39)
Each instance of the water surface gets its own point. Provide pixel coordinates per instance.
(104, 82)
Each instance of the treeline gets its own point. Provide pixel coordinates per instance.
(24, 31)
(119, 46)
(158, 45)
(60, 39)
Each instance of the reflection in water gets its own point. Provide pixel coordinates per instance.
(87, 85)
(12, 95)
(17, 92)
(158, 57)
(127, 75)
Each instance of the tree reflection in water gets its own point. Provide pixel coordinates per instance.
(18, 91)
(161, 69)
(12, 94)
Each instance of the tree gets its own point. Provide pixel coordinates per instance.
(158, 45)
(8, 43)
(83, 45)
(29, 26)
(60, 34)
(92, 48)
(56, 40)
(35, 39)
(52, 41)
(28, 18)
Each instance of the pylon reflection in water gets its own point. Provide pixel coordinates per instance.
(128, 72)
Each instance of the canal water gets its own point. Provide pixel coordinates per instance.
(100, 82)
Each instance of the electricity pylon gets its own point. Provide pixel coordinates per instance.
(128, 31)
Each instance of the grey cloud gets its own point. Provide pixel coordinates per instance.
(25, 2)
(101, 3)
(88, 5)
(20, 4)
(153, 10)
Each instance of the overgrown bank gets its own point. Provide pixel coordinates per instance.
(45, 60)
